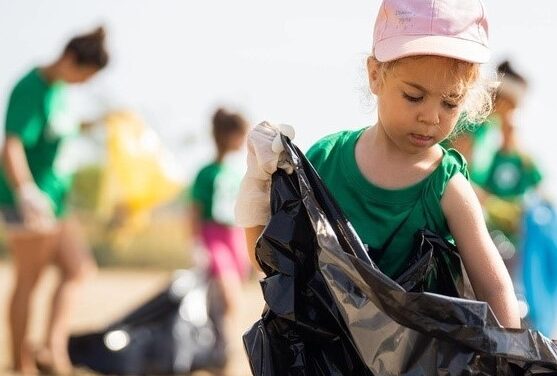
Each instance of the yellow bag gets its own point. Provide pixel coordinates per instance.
(139, 174)
(504, 215)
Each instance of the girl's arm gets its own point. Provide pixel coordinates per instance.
(252, 234)
(486, 270)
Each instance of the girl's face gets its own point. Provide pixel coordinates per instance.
(419, 101)
(236, 141)
(233, 142)
(77, 74)
(504, 105)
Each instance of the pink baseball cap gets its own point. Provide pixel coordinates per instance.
(452, 28)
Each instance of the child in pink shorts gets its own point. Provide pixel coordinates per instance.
(227, 250)
(214, 193)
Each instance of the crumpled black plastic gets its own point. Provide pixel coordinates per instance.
(177, 331)
(331, 311)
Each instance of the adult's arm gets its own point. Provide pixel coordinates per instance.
(15, 163)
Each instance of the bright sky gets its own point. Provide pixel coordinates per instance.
(296, 62)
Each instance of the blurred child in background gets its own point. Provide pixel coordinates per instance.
(213, 194)
(33, 190)
(502, 171)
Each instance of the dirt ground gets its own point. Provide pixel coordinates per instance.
(110, 295)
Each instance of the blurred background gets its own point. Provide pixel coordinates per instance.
(173, 62)
(300, 64)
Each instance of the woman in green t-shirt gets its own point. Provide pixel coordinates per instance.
(32, 193)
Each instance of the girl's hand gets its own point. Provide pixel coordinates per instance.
(265, 156)
(265, 150)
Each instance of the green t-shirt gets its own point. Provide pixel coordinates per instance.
(215, 189)
(375, 212)
(511, 175)
(507, 175)
(37, 114)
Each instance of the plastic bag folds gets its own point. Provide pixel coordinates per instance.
(331, 311)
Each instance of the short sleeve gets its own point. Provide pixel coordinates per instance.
(453, 163)
(315, 153)
(23, 117)
(534, 174)
(199, 188)
(319, 152)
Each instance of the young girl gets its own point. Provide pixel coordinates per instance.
(394, 177)
(32, 199)
(214, 192)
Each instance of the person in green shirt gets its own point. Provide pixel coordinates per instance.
(498, 163)
(33, 190)
(213, 195)
(393, 178)
(502, 172)
(512, 175)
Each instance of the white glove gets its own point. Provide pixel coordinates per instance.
(35, 208)
(265, 155)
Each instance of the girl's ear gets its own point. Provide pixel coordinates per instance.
(374, 75)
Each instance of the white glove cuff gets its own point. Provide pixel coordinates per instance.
(253, 206)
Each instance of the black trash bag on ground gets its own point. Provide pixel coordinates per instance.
(331, 311)
(175, 332)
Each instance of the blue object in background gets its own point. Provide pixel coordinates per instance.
(539, 266)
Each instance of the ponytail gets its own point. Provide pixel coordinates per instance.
(89, 49)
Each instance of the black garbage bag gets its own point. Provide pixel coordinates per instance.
(175, 332)
(331, 311)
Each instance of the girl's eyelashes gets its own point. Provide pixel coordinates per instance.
(411, 98)
(452, 101)
(450, 105)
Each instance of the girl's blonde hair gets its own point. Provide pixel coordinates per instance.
(478, 102)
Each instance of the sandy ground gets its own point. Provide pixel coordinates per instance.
(109, 296)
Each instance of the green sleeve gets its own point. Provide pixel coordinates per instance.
(319, 151)
(198, 187)
(453, 163)
(535, 176)
(313, 154)
(23, 118)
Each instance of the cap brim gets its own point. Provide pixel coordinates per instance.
(457, 48)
